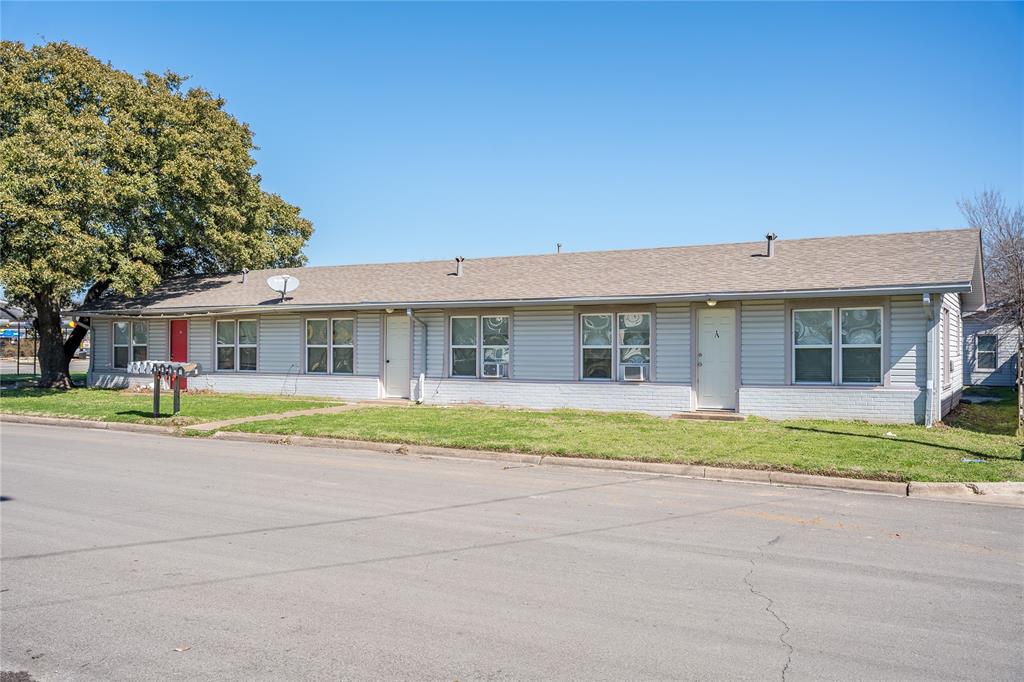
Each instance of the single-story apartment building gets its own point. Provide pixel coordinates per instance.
(990, 348)
(854, 327)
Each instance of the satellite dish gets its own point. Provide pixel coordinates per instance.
(283, 284)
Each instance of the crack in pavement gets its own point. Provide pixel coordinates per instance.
(770, 606)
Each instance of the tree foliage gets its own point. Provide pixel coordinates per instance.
(108, 181)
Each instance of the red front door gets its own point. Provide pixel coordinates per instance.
(179, 344)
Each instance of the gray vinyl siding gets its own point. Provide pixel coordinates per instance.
(435, 343)
(158, 340)
(953, 374)
(908, 342)
(280, 344)
(368, 338)
(1005, 373)
(543, 343)
(672, 343)
(763, 342)
(200, 343)
(100, 346)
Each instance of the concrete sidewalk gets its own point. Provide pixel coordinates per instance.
(214, 426)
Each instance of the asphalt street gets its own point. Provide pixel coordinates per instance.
(137, 557)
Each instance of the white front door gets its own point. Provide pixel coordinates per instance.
(716, 358)
(396, 356)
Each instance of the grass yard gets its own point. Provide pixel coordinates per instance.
(890, 452)
(30, 379)
(129, 406)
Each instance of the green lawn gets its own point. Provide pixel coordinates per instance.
(828, 447)
(128, 406)
(30, 379)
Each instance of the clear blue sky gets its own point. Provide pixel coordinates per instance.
(411, 131)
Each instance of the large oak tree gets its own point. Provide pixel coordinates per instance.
(110, 182)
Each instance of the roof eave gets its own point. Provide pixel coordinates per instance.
(888, 290)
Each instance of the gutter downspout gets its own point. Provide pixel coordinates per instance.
(932, 353)
(422, 377)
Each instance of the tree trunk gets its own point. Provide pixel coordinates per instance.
(53, 367)
(58, 351)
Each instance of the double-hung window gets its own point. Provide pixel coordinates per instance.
(634, 343)
(237, 344)
(131, 343)
(479, 346)
(812, 346)
(330, 346)
(317, 346)
(596, 346)
(985, 353)
(463, 350)
(494, 339)
(343, 345)
(860, 337)
(856, 350)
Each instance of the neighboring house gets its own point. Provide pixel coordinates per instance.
(990, 349)
(860, 327)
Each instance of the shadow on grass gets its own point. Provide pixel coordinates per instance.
(148, 414)
(912, 441)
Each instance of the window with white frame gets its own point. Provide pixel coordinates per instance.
(860, 341)
(237, 343)
(343, 345)
(634, 341)
(596, 346)
(463, 351)
(131, 342)
(247, 343)
(494, 340)
(317, 346)
(986, 351)
(812, 346)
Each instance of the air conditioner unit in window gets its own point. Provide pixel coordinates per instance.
(496, 370)
(634, 373)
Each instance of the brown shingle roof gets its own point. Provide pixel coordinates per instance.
(881, 261)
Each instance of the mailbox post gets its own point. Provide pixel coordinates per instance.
(175, 371)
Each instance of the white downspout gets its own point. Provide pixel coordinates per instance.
(422, 378)
(932, 353)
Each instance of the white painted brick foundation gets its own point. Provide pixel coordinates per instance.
(884, 405)
(350, 387)
(653, 398)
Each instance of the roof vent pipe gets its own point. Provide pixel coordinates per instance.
(458, 266)
(558, 247)
(245, 275)
(771, 237)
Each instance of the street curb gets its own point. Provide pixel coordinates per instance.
(1004, 494)
(87, 424)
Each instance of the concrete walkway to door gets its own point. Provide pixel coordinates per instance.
(334, 409)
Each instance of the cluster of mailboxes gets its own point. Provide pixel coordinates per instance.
(164, 369)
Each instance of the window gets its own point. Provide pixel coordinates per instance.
(634, 342)
(494, 332)
(861, 342)
(343, 346)
(122, 345)
(247, 333)
(463, 346)
(316, 346)
(596, 346)
(131, 343)
(812, 346)
(237, 342)
(985, 352)
(140, 341)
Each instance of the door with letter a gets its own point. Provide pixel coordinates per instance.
(179, 345)
(716, 359)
